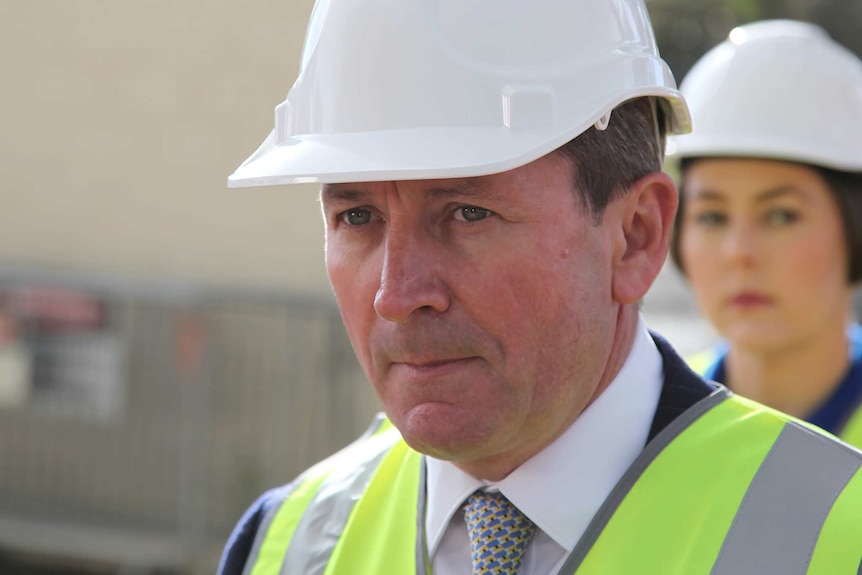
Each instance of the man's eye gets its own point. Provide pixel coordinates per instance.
(471, 214)
(356, 217)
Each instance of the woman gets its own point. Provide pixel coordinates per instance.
(769, 230)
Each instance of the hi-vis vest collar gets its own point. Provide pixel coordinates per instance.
(729, 487)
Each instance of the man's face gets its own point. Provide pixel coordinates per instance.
(480, 308)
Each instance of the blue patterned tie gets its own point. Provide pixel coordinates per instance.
(499, 533)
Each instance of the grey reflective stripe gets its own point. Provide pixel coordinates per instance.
(422, 560)
(326, 516)
(778, 523)
(265, 524)
(263, 528)
(633, 473)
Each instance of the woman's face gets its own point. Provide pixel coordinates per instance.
(763, 246)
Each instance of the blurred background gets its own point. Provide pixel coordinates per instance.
(170, 348)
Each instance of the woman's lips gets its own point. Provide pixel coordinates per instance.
(748, 299)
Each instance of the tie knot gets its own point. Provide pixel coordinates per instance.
(499, 533)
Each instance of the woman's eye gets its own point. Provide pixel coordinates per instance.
(710, 219)
(356, 217)
(471, 214)
(781, 217)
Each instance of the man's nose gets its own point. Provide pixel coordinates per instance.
(411, 278)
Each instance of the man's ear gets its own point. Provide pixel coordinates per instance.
(642, 238)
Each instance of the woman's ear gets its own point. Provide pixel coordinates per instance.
(647, 212)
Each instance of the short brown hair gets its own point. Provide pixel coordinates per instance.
(607, 161)
(846, 188)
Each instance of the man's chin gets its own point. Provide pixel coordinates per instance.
(443, 431)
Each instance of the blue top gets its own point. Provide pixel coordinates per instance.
(833, 414)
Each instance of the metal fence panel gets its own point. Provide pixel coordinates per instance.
(216, 396)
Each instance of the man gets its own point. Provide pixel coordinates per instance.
(494, 211)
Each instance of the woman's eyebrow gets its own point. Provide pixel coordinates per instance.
(706, 194)
(779, 191)
(762, 196)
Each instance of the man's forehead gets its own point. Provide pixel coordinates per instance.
(551, 165)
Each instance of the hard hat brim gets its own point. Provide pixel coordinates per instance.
(417, 154)
(829, 154)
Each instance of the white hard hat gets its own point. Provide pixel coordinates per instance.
(395, 89)
(776, 89)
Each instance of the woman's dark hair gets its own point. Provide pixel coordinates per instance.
(846, 188)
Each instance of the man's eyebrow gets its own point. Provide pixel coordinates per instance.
(340, 193)
(462, 188)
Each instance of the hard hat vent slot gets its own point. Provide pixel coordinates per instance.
(283, 129)
(529, 107)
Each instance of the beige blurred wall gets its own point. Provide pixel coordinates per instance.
(119, 124)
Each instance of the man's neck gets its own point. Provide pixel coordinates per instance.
(624, 337)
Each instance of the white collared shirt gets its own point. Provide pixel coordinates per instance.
(562, 487)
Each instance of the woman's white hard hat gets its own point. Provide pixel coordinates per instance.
(776, 89)
(395, 89)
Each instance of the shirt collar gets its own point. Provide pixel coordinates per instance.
(562, 487)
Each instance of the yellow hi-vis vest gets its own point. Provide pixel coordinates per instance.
(729, 487)
(702, 362)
